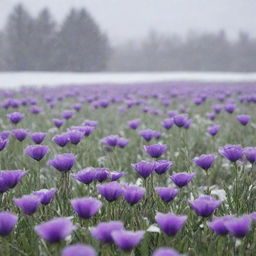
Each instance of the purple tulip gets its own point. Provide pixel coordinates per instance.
(85, 176)
(58, 122)
(103, 231)
(205, 161)
(218, 225)
(101, 174)
(250, 154)
(77, 107)
(167, 194)
(167, 123)
(20, 134)
(230, 108)
(211, 116)
(88, 130)
(127, 240)
(91, 123)
(243, 119)
(67, 114)
(116, 175)
(3, 143)
(182, 179)
(27, 203)
(110, 191)
(214, 129)
(11, 178)
(45, 195)
(217, 108)
(61, 140)
(156, 150)
(170, 223)
(232, 152)
(111, 140)
(148, 135)
(162, 166)
(205, 205)
(134, 124)
(63, 162)
(144, 168)
(239, 227)
(7, 222)
(36, 152)
(86, 207)
(75, 136)
(165, 252)
(122, 142)
(15, 117)
(180, 120)
(133, 194)
(78, 250)
(38, 137)
(55, 230)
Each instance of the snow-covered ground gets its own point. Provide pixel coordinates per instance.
(17, 79)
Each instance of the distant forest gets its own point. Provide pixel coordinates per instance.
(78, 44)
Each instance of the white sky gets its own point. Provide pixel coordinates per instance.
(133, 19)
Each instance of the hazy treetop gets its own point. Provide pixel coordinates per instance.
(133, 19)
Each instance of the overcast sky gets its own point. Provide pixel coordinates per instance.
(133, 19)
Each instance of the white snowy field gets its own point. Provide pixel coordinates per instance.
(18, 79)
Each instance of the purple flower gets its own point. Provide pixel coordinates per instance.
(165, 252)
(205, 161)
(63, 162)
(134, 124)
(7, 222)
(167, 123)
(75, 136)
(214, 129)
(170, 223)
(144, 168)
(127, 240)
(217, 108)
(218, 225)
(3, 143)
(187, 124)
(205, 205)
(103, 230)
(11, 178)
(230, 108)
(239, 227)
(67, 114)
(78, 250)
(156, 150)
(180, 120)
(55, 230)
(116, 175)
(232, 152)
(15, 117)
(38, 137)
(77, 107)
(35, 110)
(167, 194)
(148, 135)
(243, 119)
(211, 116)
(110, 191)
(86, 207)
(61, 140)
(122, 142)
(250, 154)
(36, 152)
(111, 140)
(133, 194)
(162, 166)
(45, 195)
(58, 122)
(27, 203)
(181, 179)
(85, 176)
(91, 123)
(101, 174)
(88, 130)
(20, 134)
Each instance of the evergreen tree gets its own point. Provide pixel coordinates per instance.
(19, 39)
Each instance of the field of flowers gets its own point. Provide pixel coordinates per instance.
(151, 169)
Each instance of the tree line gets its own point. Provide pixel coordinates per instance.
(78, 44)
(28, 43)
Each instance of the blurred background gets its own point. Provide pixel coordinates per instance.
(128, 35)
